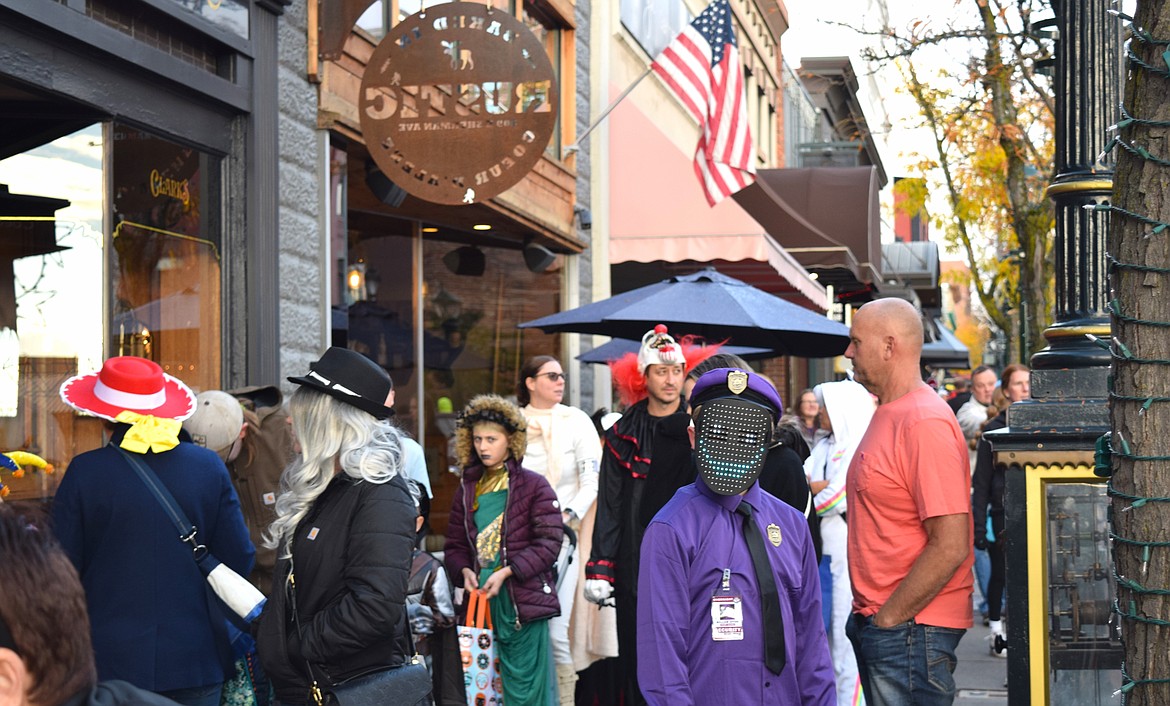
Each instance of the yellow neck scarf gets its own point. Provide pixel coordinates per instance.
(148, 432)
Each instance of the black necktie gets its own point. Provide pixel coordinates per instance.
(769, 596)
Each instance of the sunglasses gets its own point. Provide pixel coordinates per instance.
(551, 376)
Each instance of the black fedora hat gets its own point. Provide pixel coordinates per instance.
(352, 378)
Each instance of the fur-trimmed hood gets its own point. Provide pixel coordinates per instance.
(497, 410)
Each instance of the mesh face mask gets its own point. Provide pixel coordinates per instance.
(731, 442)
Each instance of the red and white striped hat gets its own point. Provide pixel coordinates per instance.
(129, 383)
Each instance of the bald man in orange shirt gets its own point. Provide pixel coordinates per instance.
(910, 549)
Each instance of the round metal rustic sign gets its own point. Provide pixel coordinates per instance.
(458, 103)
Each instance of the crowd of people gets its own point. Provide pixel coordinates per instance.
(722, 550)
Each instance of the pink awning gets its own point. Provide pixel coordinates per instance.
(658, 213)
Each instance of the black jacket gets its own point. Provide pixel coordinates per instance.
(352, 557)
(987, 484)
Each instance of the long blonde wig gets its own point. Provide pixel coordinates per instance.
(329, 432)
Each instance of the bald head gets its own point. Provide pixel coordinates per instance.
(885, 347)
(900, 320)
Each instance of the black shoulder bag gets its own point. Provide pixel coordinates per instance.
(408, 684)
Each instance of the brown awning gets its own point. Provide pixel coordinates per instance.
(658, 214)
(825, 217)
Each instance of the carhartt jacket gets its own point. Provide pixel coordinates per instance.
(351, 560)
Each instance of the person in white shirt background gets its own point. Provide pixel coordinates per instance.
(845, 410)
(563, 446)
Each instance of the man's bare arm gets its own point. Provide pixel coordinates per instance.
(948, 542)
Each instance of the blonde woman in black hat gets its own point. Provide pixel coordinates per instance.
(343, 534)
(503, 536)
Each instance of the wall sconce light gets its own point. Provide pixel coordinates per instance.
(467, 260)
(355, 281)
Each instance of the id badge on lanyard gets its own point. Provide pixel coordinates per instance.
(726, 612)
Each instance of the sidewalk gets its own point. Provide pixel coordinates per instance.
(979, 677)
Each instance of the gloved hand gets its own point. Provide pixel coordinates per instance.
(981, 541)
(597, 591)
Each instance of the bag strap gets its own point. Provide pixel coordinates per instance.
(479, 614)
(187, 531)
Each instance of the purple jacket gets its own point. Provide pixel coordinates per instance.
(533, 532)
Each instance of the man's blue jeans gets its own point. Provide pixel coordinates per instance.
(905, 665)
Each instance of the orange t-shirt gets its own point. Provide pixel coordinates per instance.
(910, 465)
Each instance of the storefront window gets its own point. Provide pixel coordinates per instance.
(471, 341)
(50, 300)
(165, 257)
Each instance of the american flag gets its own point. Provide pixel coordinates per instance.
(702, 67)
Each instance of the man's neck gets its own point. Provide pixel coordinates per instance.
(658, 408)
(897, 389)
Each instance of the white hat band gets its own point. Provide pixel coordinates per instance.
(129, 400)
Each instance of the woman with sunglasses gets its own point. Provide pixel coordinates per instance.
(563, 446)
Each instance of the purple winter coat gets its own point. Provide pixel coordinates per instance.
(533, 533)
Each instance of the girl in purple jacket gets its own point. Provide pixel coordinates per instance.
(503, 536)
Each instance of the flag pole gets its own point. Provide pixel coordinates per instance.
(577, 144)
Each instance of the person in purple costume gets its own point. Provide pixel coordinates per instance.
(729, 598)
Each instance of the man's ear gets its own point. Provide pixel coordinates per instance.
(15, 680)
(691, 433)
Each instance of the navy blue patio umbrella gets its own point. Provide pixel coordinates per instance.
(616, 348)
(711, 305)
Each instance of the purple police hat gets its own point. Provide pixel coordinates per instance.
(734, 383)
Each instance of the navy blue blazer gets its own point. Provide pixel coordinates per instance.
(155, 621)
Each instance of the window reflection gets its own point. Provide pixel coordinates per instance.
(50, 300)
(546, 29)
(471, 343)
(165, 259)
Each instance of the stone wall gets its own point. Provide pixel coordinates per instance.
(303, 330)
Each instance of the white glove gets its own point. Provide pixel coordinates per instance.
(597, 591)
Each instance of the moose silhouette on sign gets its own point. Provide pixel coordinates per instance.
(460, 58)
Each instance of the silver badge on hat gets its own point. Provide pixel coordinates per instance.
(774, 535)
(737, 381)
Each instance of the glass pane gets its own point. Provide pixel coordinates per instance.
(471, 343)
(1083, 642)
(406, 8)
(50, 300)
(230, 15)
(165, 259)
(373, 20)
(549, 35)
(654, 23)
(380, 316)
